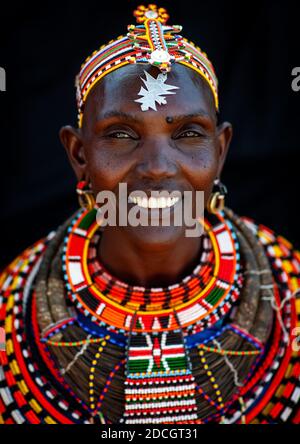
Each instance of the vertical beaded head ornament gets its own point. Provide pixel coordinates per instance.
(151, 42)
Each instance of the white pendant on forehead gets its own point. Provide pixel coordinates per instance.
(155, 91)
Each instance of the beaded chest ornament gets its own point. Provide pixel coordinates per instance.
(33, 391)
(156, 320)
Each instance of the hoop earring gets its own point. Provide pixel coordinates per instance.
(216, 201)
(85, 195)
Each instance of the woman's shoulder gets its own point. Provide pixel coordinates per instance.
(275, 244)
(16, 273)
(283, 256)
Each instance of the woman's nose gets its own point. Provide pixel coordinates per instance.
(156, 160)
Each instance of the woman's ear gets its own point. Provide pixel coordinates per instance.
(72, 141)
(224, 135)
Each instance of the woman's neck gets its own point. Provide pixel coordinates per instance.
(148, 267)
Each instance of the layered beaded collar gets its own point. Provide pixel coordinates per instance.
(242, 372)
(200, 299)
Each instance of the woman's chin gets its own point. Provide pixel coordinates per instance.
(155, 237)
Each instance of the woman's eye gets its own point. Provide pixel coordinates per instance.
(189, 133)
(119, 135)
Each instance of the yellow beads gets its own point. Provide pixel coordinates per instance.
(92, 371)
(211, 378)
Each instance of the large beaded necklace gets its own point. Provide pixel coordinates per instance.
(70, 368)
(159, 383)
(149, 351)
(201, 299)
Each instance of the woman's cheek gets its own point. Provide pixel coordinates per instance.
(203, 170)
(106, 170)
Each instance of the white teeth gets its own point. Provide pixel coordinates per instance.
(162, 202)
(144, 202)
(153, 202)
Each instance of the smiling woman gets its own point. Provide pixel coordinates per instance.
(119, 143)
(132, 323)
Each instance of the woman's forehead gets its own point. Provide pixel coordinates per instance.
(131, 89)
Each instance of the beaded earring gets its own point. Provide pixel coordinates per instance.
(85, 195)
(216, 201)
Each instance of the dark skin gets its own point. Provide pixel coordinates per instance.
(118, 143)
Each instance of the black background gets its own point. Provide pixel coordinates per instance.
(253, 46)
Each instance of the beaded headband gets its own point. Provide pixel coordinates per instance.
(152, 42)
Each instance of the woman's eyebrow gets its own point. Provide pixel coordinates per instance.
(118, 114)
(193, 115)
(134, 119)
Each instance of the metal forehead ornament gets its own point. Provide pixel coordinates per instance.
(155, 92)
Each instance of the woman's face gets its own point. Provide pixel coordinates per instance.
(178, 147)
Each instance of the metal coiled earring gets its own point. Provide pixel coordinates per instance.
(85, 195)
(216, 201)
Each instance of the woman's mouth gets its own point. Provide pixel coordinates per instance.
(153, 202)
